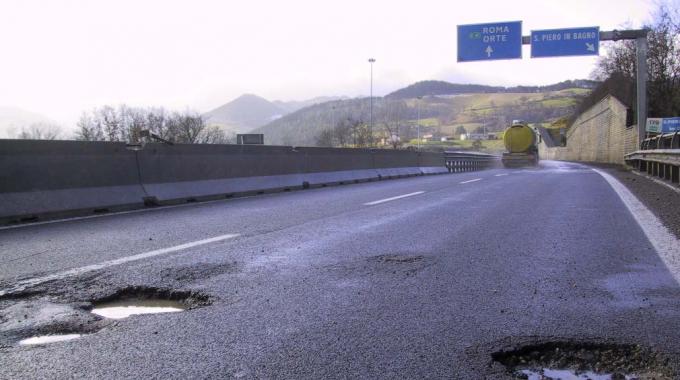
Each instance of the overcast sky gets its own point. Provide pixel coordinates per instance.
(62, 57)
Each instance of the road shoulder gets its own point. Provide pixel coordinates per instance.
(659, 199)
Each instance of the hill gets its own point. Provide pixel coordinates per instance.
(250, 111)
(440, 115)
(433, 88)
(244, 113)
(294, 105)
(13, 119)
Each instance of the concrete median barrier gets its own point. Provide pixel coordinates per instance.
(432, 163)
(337, 165)
(396, 163)
(55, 178)
(40, 178)
(178, 172)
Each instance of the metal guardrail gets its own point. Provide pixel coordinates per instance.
(665, 141)
(662, 163)
(458, 162)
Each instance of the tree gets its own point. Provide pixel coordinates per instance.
(391, 119)
(460, 130)
(40, 131)
(663, 62)
(125, 123)
(476, 145)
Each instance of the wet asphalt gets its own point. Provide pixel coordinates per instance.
(317, 284)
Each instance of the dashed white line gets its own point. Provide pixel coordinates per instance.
(663, 241)
(500, 175)
(392, 198)
(21, 285)
(472, 180)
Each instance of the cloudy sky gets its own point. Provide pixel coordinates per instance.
(61, 57)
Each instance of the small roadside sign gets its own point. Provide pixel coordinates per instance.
(653, 125)
(565, 42)
(486, 42)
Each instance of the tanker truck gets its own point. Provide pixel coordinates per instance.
(520, 143)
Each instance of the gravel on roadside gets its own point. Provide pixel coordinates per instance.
(662, 201)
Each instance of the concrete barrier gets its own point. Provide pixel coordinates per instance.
(178, 172)
(337, 165)
(55, 178)
(39, 178)
(396, 163)
(432, 163)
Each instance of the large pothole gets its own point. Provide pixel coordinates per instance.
(39, 321)
(143, 300)
(574, 360)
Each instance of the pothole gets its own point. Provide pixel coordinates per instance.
(142, 300)
(126, 308)
(46, 339)
(577, 361)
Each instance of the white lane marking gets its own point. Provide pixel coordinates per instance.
(501, 175)
(392, 198)
(665, 243)
(23, 284)
(472, 180)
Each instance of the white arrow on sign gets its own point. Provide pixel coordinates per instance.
(488, 51)
(590, 47)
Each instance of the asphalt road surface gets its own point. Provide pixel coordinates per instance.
(413, 278)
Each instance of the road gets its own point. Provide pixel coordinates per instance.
(413, 278)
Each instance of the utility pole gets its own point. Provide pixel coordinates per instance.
(370, 125)
(418, 125)
(641, 48)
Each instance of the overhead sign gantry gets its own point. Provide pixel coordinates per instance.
(504, 40)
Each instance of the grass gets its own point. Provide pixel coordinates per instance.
(487, 145)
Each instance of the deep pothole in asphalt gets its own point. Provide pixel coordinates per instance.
(580, 361)
(44, 320)
(142, 300)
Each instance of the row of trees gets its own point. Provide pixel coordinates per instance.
(392, 125)
(125, 123)
(39, 131)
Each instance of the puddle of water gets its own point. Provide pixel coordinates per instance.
(44, 339)
(567, 374)
(126, 308)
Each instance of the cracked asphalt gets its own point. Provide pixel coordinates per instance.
(318, 284)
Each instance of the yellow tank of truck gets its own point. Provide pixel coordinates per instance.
(520, 143)
(519, 138)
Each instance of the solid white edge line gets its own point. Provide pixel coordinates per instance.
(664, 242)
(392, 198)
(472, 180)
(23, 284)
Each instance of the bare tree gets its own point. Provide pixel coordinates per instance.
(40, 131)
(125, 123)
(663, 61)
(391, 119)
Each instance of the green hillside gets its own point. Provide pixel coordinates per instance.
(345, 122)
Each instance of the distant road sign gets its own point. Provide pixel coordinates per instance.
(663, 124)
(653, 125)
(485, 42)
(565, 42)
